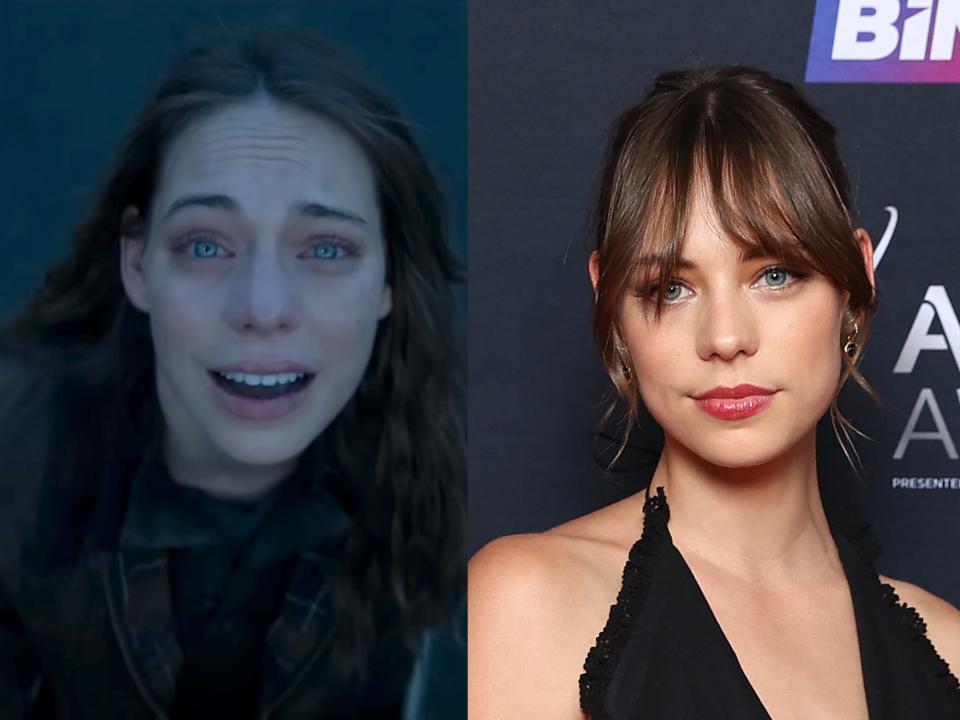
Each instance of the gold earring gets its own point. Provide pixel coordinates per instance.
(850, 347)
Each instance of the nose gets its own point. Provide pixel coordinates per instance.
(263, 296)
(728, 325)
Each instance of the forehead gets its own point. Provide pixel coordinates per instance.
(263, 154)
(704, 237)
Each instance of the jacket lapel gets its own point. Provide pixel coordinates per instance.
(138, 596)
(302, 631)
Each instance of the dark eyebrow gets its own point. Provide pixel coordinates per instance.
(224, 202)
(324, 212)
(212, 201)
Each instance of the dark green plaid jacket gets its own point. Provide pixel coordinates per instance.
(86, 627)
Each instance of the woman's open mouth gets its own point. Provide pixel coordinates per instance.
(261, 396)
(261, 387)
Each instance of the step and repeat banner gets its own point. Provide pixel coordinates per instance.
(544, 90)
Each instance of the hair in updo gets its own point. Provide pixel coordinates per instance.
(768, 163)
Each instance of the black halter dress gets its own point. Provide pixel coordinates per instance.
(663, 655)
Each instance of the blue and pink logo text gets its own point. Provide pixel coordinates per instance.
(885, 41)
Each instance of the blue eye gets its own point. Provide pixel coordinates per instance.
(205, 249)
(777, 277)
(327, 251)
(672, 291)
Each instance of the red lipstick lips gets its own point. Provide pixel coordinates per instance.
(734, 403)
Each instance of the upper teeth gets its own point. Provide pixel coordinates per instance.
(248, 379)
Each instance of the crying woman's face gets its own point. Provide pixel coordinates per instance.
(262, 268)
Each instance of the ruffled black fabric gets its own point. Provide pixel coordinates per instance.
(637, 573)
(915, 627)
(661, 632)
(860, 534)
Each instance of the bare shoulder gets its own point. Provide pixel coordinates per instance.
(527, 571)
(942, 619)
(536, 605)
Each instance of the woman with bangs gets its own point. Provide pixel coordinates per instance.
(733, 296)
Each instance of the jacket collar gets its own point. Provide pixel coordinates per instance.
(136, 579)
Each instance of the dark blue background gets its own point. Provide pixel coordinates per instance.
(73, 75)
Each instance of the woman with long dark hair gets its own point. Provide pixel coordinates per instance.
(233, 470)
(733, 299)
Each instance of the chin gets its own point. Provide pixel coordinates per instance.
(260, 447)
(736, 448)
(218, 435)
(735, 461)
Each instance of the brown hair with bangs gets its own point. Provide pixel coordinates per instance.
(768, 163)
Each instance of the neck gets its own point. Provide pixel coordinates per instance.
(222, 477)
(759, 521)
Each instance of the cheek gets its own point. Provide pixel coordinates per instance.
(339, 314)
(807, 336)
(182, 317)
(344, 316)
(800, 343)
(809, 355)
(661, 360)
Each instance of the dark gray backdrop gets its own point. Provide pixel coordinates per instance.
(546, 82)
